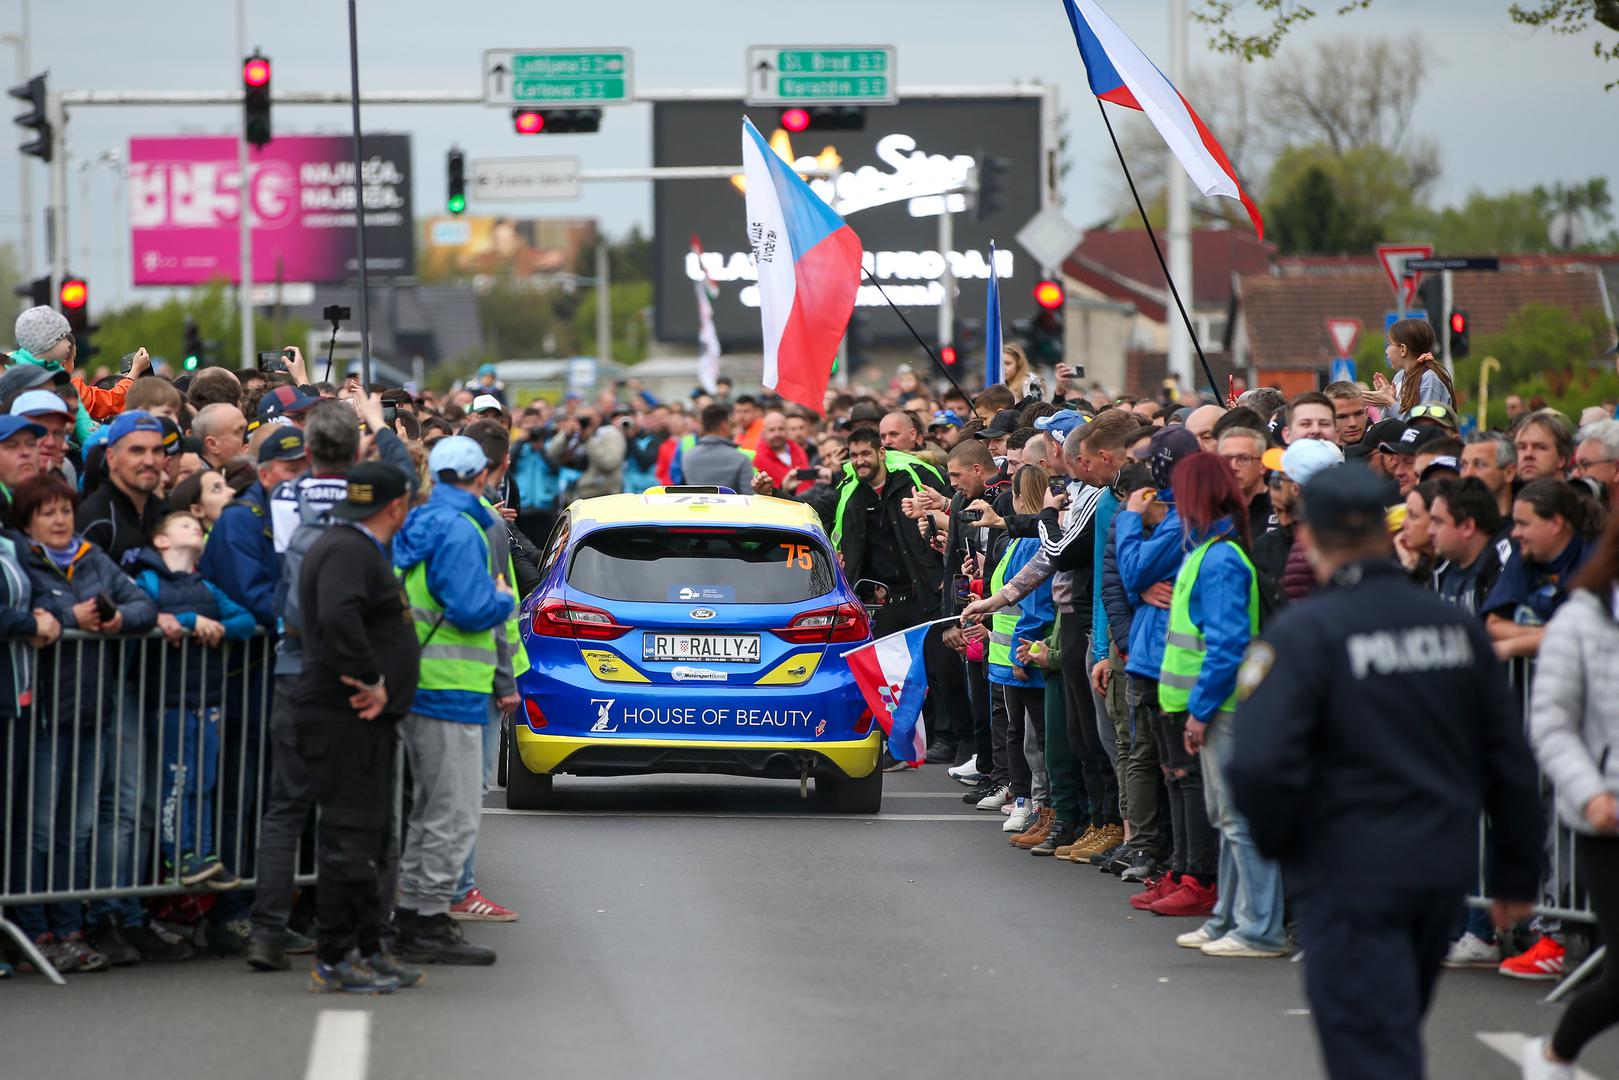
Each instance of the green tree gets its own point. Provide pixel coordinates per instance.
(11, 277)
(160, 329)
(1484, 224)
(1321, 200)
(1544, 350)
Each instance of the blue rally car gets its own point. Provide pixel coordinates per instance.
(687, 630)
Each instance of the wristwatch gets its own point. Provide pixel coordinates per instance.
(372, 688)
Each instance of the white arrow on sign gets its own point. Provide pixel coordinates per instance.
(524, 179)
(1344, 334)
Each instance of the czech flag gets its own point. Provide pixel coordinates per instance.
(893, 679)
(1121, 73)
(809, 273)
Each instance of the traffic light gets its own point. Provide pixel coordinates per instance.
(73, 300)
(991, 185)
(37, 291)
(823, 118)
(556, 121)
(456, 202)
(947, 355)
(256, 98)
(1430, 300)
(34, 120)
(1459, 327)
(193, 346)
(1046, 334)
(968, 335)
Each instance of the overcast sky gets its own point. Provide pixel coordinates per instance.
(1509, 108)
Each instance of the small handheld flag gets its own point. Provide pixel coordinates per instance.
(992, 325)
(893, 679)
(1121, 73)
(809, 273)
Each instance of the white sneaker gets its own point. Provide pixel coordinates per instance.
(1470, 950)
(1023, 812)
(967, 772)
(1194, 939)
(1232, 945)
(996, 799)
(1536, 1067)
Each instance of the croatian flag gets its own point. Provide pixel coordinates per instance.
(1121, 73)
(809, 273)
(992, 324)
(893, 679)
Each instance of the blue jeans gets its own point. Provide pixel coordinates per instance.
(491, 747)
(66, 781)
(190, 771)
(126, 765)
(1250, 891)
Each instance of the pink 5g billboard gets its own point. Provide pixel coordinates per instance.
(184, 200)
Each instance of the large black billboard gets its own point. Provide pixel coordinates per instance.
(891, 170)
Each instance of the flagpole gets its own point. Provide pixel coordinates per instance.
(1153, 236)
(971, 404)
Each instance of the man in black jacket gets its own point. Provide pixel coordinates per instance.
(1375, 723)
(358, 679)
(119, 516)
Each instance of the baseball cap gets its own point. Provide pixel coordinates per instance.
(485, 402)
(37, 403)
(1306, 459)
(10, 425)
(946, 418)
(283, 400)
(285, 445)
(458, 455)
(1060, 423)
(1384, 431)
(372, 485)
(1165, 450)
(1439, 466)
(1005, 422)
(1346, 500)
(129, 423)
(23, 377)
(1413, 439)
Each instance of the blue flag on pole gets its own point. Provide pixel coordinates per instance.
(992, 324)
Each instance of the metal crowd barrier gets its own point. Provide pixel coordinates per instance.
(1563, 897)
(100, 771)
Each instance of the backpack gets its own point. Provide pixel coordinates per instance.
(313, 520)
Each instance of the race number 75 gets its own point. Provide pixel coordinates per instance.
(800, 555)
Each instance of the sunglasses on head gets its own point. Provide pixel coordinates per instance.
(1432, 412)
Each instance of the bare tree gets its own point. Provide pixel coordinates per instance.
(1346, 93)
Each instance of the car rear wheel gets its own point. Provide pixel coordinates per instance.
(843, 795)
(525, 790)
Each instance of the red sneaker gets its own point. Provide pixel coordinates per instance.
(1192, 898)
(479, 908)
(1157, 888)
(1543, 960)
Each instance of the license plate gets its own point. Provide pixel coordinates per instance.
(712, 648)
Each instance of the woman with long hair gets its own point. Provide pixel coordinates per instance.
(1419, 379)
(1213, 616)
(1573, 723)
(1552, 521)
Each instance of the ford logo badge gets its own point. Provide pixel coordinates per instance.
(702, 613)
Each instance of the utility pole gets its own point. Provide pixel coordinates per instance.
(947, 303)
(25, 173)
(244, 211)
(1180, 213)
(604, 300)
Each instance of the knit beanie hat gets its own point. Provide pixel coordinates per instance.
(39, 328)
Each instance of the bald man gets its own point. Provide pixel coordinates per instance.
(223, 431)
(1201, 423)
(779, 457)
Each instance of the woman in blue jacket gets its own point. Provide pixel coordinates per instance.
(1024, 688)
(1213, 617)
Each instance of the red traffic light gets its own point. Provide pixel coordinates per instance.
(1458, 322)
(1048, 294)
(528, 121)
(75, 293)
(947, 353)
(795, 120)
(256, 71)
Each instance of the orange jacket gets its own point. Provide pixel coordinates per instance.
(103, 404)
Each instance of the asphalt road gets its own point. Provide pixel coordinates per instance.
(710, 929)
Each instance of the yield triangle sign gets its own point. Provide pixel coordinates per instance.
(1394, 257)
(1344, 333)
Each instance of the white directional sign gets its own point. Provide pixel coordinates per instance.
(557, 77)
(522, 179)
(821, 75)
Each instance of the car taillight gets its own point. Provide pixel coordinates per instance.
(536, 718)
(863, 725)
(563, 618)
(826, 626)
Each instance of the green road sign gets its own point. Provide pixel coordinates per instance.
(557, 77)
(821, 75)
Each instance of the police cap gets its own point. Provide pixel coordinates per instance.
(1348, 503)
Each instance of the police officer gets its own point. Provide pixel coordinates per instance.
(1376, 724)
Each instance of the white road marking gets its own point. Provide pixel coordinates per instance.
(341, 1046)
(921, 794)
(785, 816)
(1509, 1044)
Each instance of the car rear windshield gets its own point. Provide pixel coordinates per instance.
(705, 566)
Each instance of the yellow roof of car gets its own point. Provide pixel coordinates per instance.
(657, 507)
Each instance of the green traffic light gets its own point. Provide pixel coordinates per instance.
(458, 203)
(191, 363)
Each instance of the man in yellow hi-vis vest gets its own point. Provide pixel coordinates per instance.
(460, 603)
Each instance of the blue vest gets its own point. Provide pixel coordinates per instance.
(192, 675)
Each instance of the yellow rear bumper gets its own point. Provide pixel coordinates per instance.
(550, 753)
